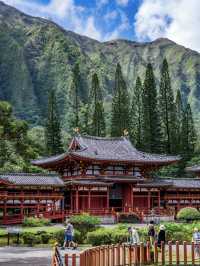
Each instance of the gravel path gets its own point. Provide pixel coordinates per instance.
(19, 256)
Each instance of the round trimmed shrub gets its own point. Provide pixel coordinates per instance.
(84, 223)
(188, 214)
(128, 218)
(31, 239)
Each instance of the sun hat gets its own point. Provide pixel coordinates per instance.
(162, 227)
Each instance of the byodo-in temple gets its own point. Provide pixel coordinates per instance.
(100, 176)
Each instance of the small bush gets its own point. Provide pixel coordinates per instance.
(101, 236)
(84, 223)
(34, 222)
(31, 239)
(188, 214)
(128, 218)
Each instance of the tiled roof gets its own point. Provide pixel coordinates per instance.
(32, 179)
(172, 182)
(108, 149)
(88, 182)
(116, 149)
(193, 169)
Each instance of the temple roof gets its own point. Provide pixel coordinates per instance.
(193, 169)
(32, 179)
(107, 149)
(172, 182)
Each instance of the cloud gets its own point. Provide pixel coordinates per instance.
(178, 20)
(111, 15)
(77, 18)
(122, 2)
(63, 12)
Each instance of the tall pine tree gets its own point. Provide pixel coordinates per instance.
(75, 96)
(167, 110)
(188, 134)
(136, 114)
(179, 119)
(98, 126)
(120, 116)
(151, 129)
(53, 128)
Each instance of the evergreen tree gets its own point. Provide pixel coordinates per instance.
(136, 114)
(98, 126)
(53, 128)
(167, 110)
(188, 134)
(74, 99)
(179, 119)
(151, 129)
(120, 115)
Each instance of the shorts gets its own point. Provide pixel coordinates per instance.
(68, 238)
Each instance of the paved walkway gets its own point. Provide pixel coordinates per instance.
(19, 256)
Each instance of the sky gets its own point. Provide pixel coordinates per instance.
(137, 20)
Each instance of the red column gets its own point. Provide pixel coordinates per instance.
(132, 197)
(107, 203)
(89, 199)
(77, 200)
(149, 200)
(4, 211)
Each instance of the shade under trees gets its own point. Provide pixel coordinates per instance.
(53, 128)
(120, 115)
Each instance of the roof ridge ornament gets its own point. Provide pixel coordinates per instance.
(125, 133)
(76, 130)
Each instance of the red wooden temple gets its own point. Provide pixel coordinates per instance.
(101, 176)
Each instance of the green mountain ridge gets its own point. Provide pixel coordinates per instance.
(36, 55)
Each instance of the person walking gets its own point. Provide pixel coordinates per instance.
(161, 235)
(196, 239)
(133, 236)
(68, 235)
(151, 233)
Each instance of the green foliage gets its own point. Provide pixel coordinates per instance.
(136, 114)
(120, 116)
(151, 137)
(53, 128)
(188, 213)
(128, 218)
(84, 223)
(98, 127)
(35, 222)
(31, 239)
(167, 111)
(17, 148)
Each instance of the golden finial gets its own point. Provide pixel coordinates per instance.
(77, 130)
(125, 132)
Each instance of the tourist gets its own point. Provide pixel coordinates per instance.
(68, 235)
(151, 232)
(196, 239)
(133, 236)
(161, 235)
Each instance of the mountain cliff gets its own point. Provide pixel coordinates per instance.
(37, 55)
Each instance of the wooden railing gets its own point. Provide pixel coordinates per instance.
(130, 255)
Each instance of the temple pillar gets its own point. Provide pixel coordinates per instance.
(89, 199)
(77, 200)
(108, 198)
(4, 210)
(149, 200)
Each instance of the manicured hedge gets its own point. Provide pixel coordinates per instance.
(84, 223)
(188, 214)
(35, 222)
